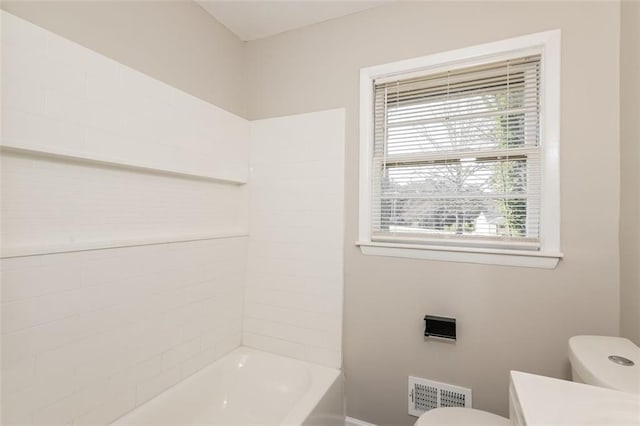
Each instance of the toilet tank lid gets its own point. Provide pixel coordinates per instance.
(589, 357)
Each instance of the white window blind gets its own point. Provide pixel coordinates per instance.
(457, 157)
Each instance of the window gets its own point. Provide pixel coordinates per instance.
(459, 155)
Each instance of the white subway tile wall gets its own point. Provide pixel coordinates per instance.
(89, 335)
(63, 98)
(293, 300)
(59, 205)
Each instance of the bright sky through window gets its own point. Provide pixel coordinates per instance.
(457, 154)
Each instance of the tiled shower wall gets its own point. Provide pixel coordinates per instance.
(102, 306)
(293, 302)
(89, 335)
(126, 263)
(61, 97)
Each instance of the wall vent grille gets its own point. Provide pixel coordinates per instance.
(425, 395)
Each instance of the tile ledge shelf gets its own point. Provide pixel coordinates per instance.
(79, 157)
(103, 245)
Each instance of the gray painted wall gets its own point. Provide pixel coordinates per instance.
(509, 318)
(629, 174)
(176, 42)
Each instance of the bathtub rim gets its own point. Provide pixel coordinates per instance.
(322, 379)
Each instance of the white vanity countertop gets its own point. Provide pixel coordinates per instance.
(540, 400)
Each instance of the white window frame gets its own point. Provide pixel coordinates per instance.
(547, 44)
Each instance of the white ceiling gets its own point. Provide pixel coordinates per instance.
(251, 20)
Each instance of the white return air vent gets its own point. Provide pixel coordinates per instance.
(427, 394)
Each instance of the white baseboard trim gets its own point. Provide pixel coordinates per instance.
(350, 421)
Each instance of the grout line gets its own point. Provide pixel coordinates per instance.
(83, 158)
(287, 324)
(35, 251)
(282, 339)
(287, 307)
(295, 309)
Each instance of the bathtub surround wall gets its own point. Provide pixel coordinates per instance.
(97, 157)
(176, 42)
(293, 304)
(65, 205)
(89, 335)
(66, 99)
(629, 176)
(125, 233)
(67, 109)
(508, 318)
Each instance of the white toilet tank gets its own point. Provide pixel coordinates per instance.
(610, 362)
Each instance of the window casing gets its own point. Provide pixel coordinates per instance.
(459, 155)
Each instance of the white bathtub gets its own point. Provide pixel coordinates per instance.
(249, 387)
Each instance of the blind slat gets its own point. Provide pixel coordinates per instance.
(457, 156)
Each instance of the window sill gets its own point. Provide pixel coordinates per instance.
(519, 258)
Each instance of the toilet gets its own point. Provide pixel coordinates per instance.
(610, 362)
